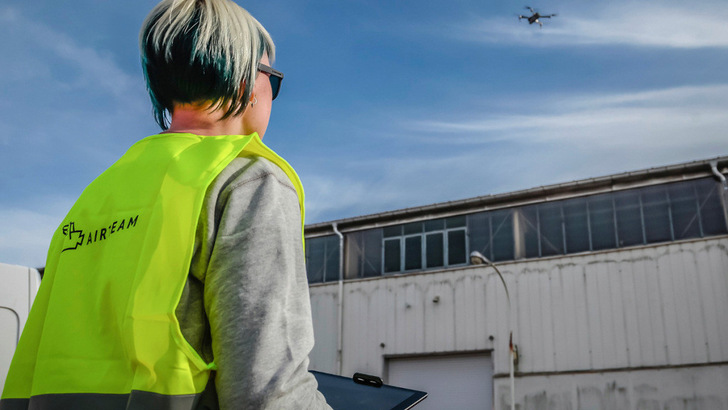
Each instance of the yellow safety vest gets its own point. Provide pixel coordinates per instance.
(102, 332)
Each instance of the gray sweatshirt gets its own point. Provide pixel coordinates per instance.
(246, 302)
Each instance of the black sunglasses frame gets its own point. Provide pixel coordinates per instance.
(276, 78)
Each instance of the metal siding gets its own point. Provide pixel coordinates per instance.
(630, 313)
(525, 324)
(696, 312)
(691, 388)
(582, 349)
(323, 309)
(468, 313)
(673, 343)
(656, 318)
(651, 306)
(713, 292)
(646, 345)
(718, 257)
(619, 319)
(670, 265)
(560, 318)
(499, 304)
(596, 325)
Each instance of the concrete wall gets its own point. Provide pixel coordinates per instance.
(652, 306)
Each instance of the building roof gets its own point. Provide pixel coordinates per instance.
(582, 187)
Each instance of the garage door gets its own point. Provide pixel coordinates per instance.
(452, 382)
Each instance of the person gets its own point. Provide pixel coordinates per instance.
(177, 280)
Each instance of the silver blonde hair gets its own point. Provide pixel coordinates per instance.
(196, 51)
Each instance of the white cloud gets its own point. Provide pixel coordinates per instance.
(649, 24)
(675, 116)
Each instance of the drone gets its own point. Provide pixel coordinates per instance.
(533, 18)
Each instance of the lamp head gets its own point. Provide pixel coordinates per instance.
(477, 258)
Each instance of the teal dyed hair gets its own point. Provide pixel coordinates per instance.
(200, 51)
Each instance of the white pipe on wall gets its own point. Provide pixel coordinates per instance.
(340, 301)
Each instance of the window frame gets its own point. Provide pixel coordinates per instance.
(423, 249)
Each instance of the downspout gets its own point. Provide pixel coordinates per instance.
(724, 196)
(340, 301)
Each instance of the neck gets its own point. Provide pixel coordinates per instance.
(201, 120)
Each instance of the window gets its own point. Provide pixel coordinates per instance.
(628, 213)
(681, 210)
(660, 213)
(603, 234)
(491, 233)
(710, 209)
(656, 214)
(364, 254)
(322, 259)
(576, 225)
(424, 245)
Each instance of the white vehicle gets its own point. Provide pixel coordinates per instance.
(18, 287)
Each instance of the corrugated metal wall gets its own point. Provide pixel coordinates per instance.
(651, 306)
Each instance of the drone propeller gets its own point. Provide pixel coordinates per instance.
(530, 8)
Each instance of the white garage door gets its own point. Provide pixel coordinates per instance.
(452, 382)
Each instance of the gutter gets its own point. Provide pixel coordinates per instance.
(340, 301)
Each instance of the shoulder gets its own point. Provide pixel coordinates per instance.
(251, 171)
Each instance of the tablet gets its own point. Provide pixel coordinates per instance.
(365, 394)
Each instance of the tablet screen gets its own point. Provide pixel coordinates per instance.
(343, 393)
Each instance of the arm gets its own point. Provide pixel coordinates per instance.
(256, 296)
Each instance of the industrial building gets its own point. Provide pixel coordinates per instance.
(618, 291)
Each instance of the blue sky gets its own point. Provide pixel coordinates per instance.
(385, 104)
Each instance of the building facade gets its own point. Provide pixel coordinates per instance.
(618, 294)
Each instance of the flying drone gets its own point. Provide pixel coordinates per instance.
(535, 16)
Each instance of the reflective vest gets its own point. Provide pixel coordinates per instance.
(102, 332)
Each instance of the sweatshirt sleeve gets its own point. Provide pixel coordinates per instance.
(256, 296)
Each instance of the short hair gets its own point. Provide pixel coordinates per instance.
(196, 51)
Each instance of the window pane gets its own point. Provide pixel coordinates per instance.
(479, 229)
(363, 254)
(601, 222)
(656, 214)
(684, 208)
(711, 210)
(502, 228)
(415, 227)
(372, 263)
(434, 225)
(393, 231)
(455, 221)
(456, 247)
(528, 224)
(391, 255)
(315, 249)
(413, 253)
(434, 250)
(629, 220)
(575, 221)
(332, 258)
(552, 235)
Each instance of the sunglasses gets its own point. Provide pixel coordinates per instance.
(275, 77)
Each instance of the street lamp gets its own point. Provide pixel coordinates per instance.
(477, 258)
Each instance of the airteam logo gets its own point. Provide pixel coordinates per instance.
(82, 238)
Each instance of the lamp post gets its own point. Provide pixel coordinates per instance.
(477, 258)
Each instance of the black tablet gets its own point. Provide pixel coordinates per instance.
(365, 393)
